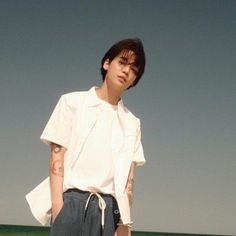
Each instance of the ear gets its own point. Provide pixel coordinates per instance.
(106, 64)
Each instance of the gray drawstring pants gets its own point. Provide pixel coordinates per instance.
(77, 219)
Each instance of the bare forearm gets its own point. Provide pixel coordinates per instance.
(124, 230)
(130, 182)
(56, 173)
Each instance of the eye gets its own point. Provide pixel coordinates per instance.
(122, 62)
(134, 69)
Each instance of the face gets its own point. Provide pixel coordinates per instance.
(121, 71)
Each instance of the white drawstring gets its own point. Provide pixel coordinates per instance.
(101, 204)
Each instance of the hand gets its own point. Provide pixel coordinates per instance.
(56, 208)
(123, 230)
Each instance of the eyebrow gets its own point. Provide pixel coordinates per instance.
(124, 58)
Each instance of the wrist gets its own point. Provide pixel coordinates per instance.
(57, 203)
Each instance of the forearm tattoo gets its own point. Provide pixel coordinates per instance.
(131, 180)
(56, 148)
(130, 184)
(57, 168)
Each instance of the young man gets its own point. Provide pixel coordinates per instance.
(95, 145)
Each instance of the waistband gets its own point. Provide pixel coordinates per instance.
(101, 201)
(71, 190)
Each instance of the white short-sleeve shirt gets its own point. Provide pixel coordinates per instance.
(75, 124)
(94, 169)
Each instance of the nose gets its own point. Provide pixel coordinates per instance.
(126, 69)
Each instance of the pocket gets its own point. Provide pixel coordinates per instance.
(58, 215)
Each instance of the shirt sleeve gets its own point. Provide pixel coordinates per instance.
(138, 156)
(58, 128)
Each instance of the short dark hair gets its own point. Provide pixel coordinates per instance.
(126, 45)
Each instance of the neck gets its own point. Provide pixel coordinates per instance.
(108, 94)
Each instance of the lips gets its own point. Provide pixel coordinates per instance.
(123, 78)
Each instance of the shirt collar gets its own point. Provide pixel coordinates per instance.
(93, 99)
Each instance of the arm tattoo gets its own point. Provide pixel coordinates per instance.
(130, 184)
(57, 168)
(56, 148)
(131, 180)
